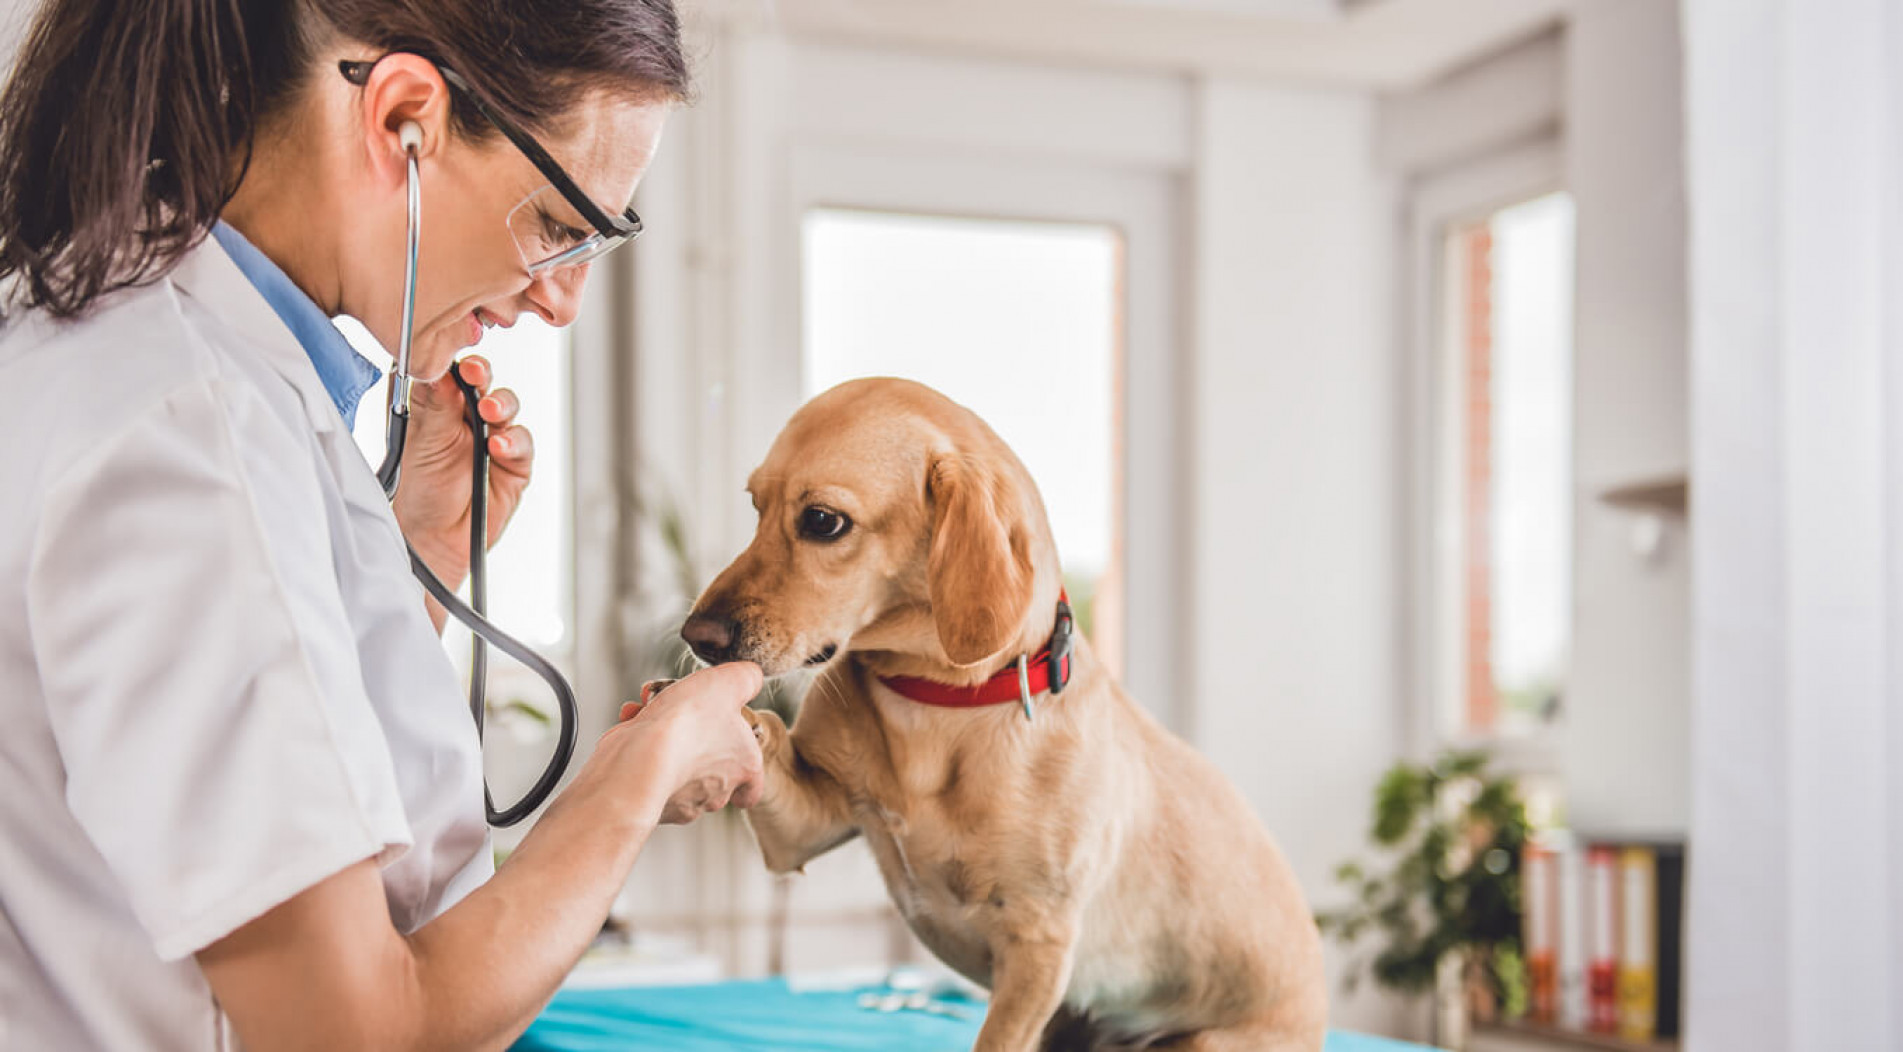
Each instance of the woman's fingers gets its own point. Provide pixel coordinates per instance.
(442, 392)
(511, 446)
(476, 370)
(499, 407)
(512, 449)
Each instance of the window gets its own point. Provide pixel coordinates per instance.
(1505, 476)
(531, 568)
(1018, 321)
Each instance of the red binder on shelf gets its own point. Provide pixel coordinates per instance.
(1539, 918)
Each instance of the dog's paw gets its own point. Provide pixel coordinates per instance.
(767, 726)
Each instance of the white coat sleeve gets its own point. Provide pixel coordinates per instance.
(200, 671)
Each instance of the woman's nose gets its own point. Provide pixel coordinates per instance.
(555, 295)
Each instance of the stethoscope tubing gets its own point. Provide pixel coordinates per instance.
(483, 632)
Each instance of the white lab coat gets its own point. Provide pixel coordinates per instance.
(220, 683)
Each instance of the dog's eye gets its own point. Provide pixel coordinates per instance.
(823, 524)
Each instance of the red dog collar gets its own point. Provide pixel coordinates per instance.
(1048, 670)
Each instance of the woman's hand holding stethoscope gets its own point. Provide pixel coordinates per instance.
(433, 504)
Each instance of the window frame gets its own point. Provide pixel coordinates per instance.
(1437, 205)
(1105, 607)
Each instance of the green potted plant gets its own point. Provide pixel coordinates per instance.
(1446, 904)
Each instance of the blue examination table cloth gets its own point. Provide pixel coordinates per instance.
(767, 1016)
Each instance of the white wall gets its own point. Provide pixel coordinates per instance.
(1626, 744)
(1294, 459)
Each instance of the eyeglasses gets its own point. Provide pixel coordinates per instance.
(545, 241)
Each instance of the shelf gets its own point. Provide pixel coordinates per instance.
(1557, 1038)
(1668, 493)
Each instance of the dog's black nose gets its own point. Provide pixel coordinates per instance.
(711, 636)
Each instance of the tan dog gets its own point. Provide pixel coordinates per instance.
(1107, 884)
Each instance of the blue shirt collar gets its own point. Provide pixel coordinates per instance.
(346, 375)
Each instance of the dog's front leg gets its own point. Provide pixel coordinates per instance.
(1030, 972)
(803, 813)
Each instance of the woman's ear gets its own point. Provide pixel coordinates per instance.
(979, 572)
(402, 89)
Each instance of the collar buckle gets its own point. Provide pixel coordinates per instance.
(1061, 645)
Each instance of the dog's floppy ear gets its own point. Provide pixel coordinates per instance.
(980, 566)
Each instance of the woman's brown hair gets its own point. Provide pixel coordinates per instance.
(124, 121)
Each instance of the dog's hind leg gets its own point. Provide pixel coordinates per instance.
(1027, 988)
(803, 813)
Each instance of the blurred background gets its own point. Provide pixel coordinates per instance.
(1365, 352)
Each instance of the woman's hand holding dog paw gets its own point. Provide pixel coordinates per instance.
(693, 742)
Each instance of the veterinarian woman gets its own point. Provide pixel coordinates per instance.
(240, 793)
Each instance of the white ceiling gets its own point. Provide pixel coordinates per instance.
(1381, 44)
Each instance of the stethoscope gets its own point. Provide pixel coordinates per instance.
(473, 613)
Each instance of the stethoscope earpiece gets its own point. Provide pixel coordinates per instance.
(410, 136)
